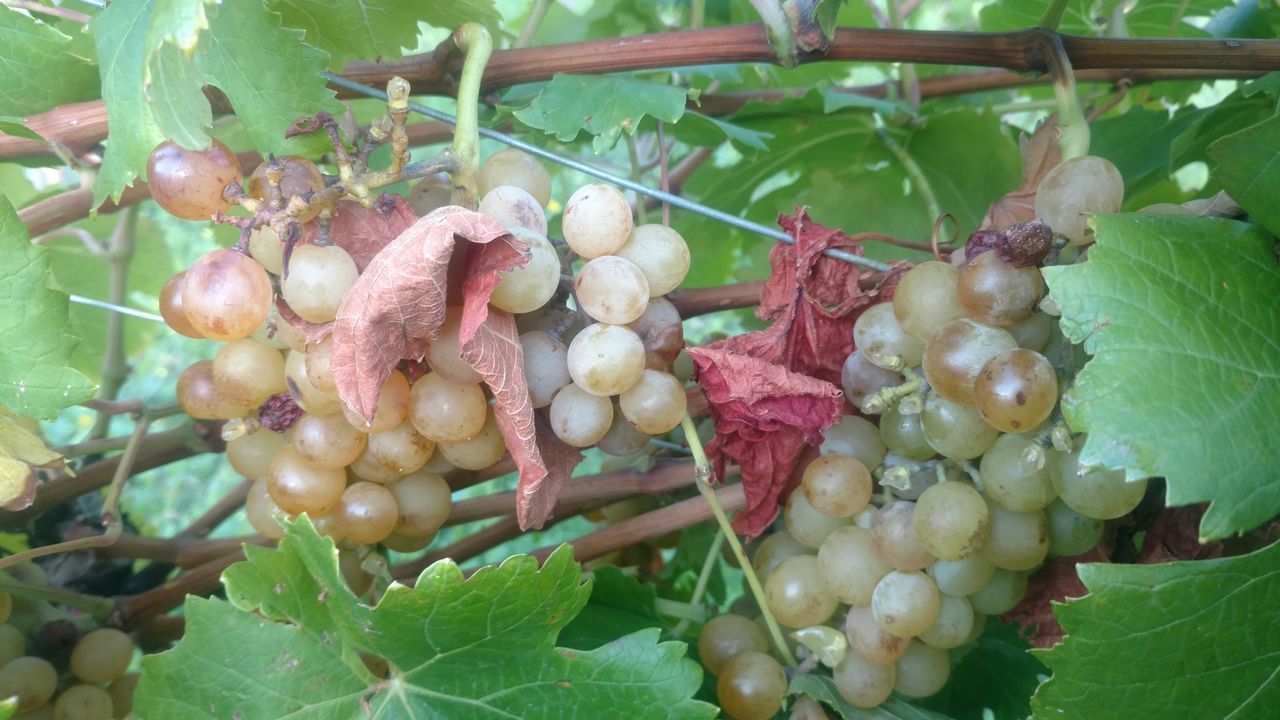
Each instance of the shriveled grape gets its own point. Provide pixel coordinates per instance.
(297, 177)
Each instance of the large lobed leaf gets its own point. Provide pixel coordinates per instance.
(287, 642)
(1178, 313)
(35, 379)
(1184, 639)
(1248, 165)
(38, 69)
(603, 106)
(374, 29)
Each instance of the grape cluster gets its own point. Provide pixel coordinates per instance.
(978, 483)
(381, 481)
(93, 682)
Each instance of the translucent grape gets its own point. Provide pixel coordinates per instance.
(863, 684)
(391, 409)
(808, 526)
(226, 295)
(861, 379)
(1009, 479)
(287, 334)
(836, 485)
(622, 439)
(612, 290)
(121, 692)
(317, 359)
(1034, 332)
(904, 435)
(436, 191)
(597, 220)
(580, 418)
(445, 411)
(101, 656)
(962, 577)
(996, 292)
(1087, 184)
(894, 536)
(546, 366)
(955, 430)
(481, 451)
(266, 248)
(330, 525)
(953, 626)
(1016, 390)
(511, 166)
(1001, 594)
(83, 702)
(725, 637)
(407, 543)
(189, 183)
(926, 299)
(751, 687)
(922, 670)
(850, 565)
(1017, 541)
(299, 177)
(366, 467)
(367, 512)
(328, 441)
(606, 359)
(1071, 533)
(32, 679)
(882, 341)
(199, 397)
(442, 352)
(246, 372)
(319, 277)
(297, 486)
(1098, 494)
(654, 405)
(869, 641)
(263, 513)
(401, 449)
(905, 603)
(13, 644)
(662, 331)
(307, 395)
(954, 356)
(775, 548)
(856, 437)
(661, 254)
(424, 500)
(171, 307)
(951, 520)
(797, 594)
(514, 208)
(528, 288)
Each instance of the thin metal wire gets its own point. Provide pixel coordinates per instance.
(676, 200)
(81, 300)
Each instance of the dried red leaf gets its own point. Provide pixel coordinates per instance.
(313, 332)
(1053, 583)
(765, 416)
(1174, 535)
(560, 459)
(364, 231)
(1040, 154)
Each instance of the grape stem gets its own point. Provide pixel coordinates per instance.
(1074, 141)
(1052, 16)
(703, 475)
(779, 30)
(98, 607)
(530, 28)
(474, 40)
(918, 179)
(704, 577)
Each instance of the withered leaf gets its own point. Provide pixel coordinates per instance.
(1040, 154)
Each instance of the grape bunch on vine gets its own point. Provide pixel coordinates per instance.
(639, 359)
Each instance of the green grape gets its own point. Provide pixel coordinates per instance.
(962, 577)
(262, 512)
(1098, 494)
(1001, 594)
(514, 208)
(424, 500)
(511, 166)
(1034, 332)
(661, 254)
(953, 626)
(597, 220)
(1017, 541)
(996, 292)
(546, 366)
(956, 354)
(955, 430)
(171, 307)
(869, 641)
(951, 520)
(1016, 390)
(879, 338)
(836, 485)
(328, 441)
(655, 404)
(391, 409)
(198, 395)
(1012, 477)
(860, 379)
(407, 543)
(83, 702)
(401, 449)
(771, 551)
(612, 290)
(808, 526)
(13, 644)
(856, 437)
(318, 279)
(266, 248)
(895, 539)
(850, 565)
(751, 687)
(580, 418)
(725, 637)
(188, 183)
(1076, 187)
(481, 451)
(863, 684)
(606, 359)
(308, 397)
(922, 670)
(250, 454)
(622, 439)
(102, 656)
(446, 411)
(528, 288)
(905, 603)
(1071, 533)
(6, 606)
(297, 486)
(926, 299)
(436, 191)
(32, 679)
(366, 512)
(903, 435)
(442, 351)
(797, 595)
(121, 692)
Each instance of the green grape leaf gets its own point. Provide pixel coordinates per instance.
(176, 98)
(38, 70)
(8, 708)
(833, 101)
(1178, 314)
(1146, 18)
(34, 349)
(1182, 639)
(449, 15)
(356, 29)
(270, 76)
(1248, 166)
(698, 129)
(16, 126)
(995, 674)
(286, 644)
(603, 106)
(823, 689)
(120, 35)
(178, 22)
(619, 604)
(826, 13)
